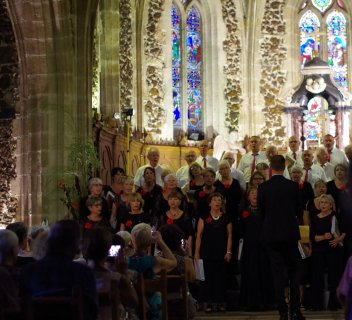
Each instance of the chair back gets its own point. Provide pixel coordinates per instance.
(177, 297)
(54, 307)
(109, 299)
(145, 286)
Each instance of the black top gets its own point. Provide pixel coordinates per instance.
(150, 198)
(335, 192)
(184, 223)
(214, 238)
(130, 220)
(312, 209)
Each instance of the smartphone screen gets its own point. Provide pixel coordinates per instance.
(114, 250)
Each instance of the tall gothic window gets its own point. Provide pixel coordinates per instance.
(187, 69)
(323, 28)
(323, 32)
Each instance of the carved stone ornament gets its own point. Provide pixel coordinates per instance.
(273, 56)
(232, 70)
(153, 49)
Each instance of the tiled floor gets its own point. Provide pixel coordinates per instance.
(269, 315)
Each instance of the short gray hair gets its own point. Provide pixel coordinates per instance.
(8, 241)
(141, 236)
(296, 168)
(94, 181)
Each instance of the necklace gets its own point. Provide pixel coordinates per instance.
(216, 218)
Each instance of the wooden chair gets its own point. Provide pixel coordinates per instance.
(177, 297)
(109, 299)
(54, 307)
(145, 286)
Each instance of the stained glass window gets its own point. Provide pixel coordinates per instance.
(194, 71)
(322, 5)
(310, 40)
(337, 46)
(313, 127)
(176, 67)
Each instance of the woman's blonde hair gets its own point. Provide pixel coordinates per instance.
(327, 197)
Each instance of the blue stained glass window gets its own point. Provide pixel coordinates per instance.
(337, 46)
(322, 5)
(176, 67)
(194, 72)
(310, 41)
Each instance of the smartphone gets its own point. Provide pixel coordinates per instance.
(183, 243)
(114, 250)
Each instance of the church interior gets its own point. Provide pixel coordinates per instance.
(187, 70)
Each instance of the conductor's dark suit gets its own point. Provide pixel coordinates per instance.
(279, 202)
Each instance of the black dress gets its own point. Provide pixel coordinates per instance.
(88, 224)
(335, 192)
(312, 209)
(183, 222)
(130, 220)
(323, 255)
(150, 199)
(257, 291)
(213, 250)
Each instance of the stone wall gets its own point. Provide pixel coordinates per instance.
(9, 72)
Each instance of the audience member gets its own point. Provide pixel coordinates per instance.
(9, 300)
(97, 246)
(204, 159)
(21, 231)
(56, 274)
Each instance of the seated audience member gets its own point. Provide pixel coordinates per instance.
(9, 300)
(182, 174)
(338, 184)
(177, 216)
(21, 231)
(326, 236)
(119, 209)
(135, 214)
(312, 206)
(149, 191)
(153, 157)
(39, 245)
(177, 243)
(96, 247)
(204, 160)
(127, 239)
(322, 160)
(95, 189)
(95, 218)
(149, 266)
(344, 290)
(56, 274)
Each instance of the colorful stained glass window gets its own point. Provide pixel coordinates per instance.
(310, 39)
(337, 46)
(322, 5)
(176, 67)
(194, 72)
(313, 127)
